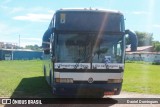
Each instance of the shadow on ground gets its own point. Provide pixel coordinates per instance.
(37, 87)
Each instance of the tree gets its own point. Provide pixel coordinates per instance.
(156, 46)
(144, 38)
(33, 47)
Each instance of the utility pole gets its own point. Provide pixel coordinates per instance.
(19, 41)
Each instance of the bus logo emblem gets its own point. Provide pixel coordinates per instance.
(90, 80)
(62, 18)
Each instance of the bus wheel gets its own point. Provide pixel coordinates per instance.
(44, 71)
(51, 78)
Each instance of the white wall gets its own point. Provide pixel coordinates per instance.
(143, 57)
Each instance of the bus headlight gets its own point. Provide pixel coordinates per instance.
(115, 80)
(64, 80)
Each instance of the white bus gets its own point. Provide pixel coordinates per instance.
(84, 52)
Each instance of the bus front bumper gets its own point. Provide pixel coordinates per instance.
(87, 89)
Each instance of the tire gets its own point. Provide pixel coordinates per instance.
(44, 71)
(51, 78)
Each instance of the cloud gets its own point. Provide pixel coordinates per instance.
(5, 29)
(51, 11)
(11, 34)
(140, 12)
(4, 7)
(8, 33)
(34, 17)
(17, 9)
(6, 2)
(20, 9)
(32, 39)
(156, 25)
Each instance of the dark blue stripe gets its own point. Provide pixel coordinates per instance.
(91, 70)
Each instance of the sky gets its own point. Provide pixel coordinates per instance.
(27, 20)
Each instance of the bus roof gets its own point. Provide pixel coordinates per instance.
(89, 10)
(88, 20)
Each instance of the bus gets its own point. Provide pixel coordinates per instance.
(84, 52)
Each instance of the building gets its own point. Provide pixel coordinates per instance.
(19, 54)
(8, 45)
(2, 45)
(144, 53)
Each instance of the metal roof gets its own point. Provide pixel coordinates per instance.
(20, 50)
(142, 48)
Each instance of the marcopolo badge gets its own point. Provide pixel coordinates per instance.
(90, 80)
(62, 18)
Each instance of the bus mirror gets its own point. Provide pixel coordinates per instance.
(133, 39)
(46, 47)
(47, 51)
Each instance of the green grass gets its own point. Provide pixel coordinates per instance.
(22, 79)
(25, 79)
(142, 78)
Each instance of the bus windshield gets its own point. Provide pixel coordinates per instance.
(86, 48)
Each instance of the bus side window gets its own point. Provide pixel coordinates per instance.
(47, 41)
(52, 44)
(46, 45)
